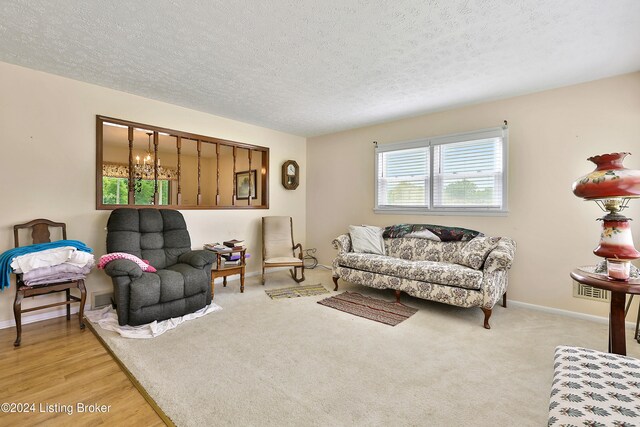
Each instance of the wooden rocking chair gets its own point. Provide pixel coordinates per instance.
(278, 248)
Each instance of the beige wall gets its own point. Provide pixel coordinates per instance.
(47, 164)
(551, 135)
(48, 167)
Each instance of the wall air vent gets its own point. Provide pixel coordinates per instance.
(589, 292)
(99, 300)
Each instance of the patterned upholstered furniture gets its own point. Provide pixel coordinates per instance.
(182, 283)
(431, 270)
(592, 388)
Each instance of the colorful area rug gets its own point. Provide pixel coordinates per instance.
(297, 291)
(390, 313)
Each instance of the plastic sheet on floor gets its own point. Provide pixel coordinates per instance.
(107, 319)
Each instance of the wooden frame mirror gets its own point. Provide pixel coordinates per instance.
(139, 165)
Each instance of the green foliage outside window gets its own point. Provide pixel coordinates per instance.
(406, 193)
(115, 191)
(465, 192)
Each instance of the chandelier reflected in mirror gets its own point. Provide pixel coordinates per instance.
(146, 170)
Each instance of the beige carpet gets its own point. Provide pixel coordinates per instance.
(294, 362)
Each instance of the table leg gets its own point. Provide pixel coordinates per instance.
(617, 342)
(17, 312)
(636, 335)
(224, 281)
(242, 280)
(68, 294)
(83, 299)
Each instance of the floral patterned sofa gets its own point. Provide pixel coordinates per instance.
(432, 270)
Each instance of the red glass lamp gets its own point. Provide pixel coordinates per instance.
(611, 186)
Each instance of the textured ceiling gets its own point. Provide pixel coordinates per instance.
(313, 67)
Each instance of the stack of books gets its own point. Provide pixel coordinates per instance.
(228, 258)
(216, 247)
(235, 244)
(231, 260)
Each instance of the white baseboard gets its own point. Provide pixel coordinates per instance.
(61, 312)
(575, 314)
(236, 277)
(37, 317)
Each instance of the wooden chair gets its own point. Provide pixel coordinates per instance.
(278, 248)
(40, 234)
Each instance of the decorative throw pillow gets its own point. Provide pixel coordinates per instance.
(474, 253)
(107, 258)
(367, 239)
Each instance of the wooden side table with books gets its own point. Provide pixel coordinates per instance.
(223, 268)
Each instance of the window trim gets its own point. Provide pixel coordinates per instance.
(496, 132)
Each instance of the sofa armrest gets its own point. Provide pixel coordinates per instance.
(123, 267)
(342, 243)
(501, 257)
(198, 259)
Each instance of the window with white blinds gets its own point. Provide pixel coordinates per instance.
(404, 180)
(462, 173)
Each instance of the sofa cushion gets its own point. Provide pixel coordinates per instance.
(374, 263)
(145, 291)
(444, 273)
(171, 285)
(283, 260)
(157, 235)
(176, 282)
(475, 252)
(416, 249)
(427, 271)
(196, 280)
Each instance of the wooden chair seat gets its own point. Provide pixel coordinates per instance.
(283, 261)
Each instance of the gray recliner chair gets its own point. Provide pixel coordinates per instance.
(182, 283)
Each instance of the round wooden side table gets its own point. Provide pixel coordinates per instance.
(619, 290)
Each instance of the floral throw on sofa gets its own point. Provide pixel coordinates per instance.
(444, 233)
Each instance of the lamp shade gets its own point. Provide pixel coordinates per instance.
(610, 179)
(616, 241)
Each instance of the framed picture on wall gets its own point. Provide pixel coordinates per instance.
(242, 185)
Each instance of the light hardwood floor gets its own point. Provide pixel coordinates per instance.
(58, 363)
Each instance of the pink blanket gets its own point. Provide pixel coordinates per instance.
(107, 258)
